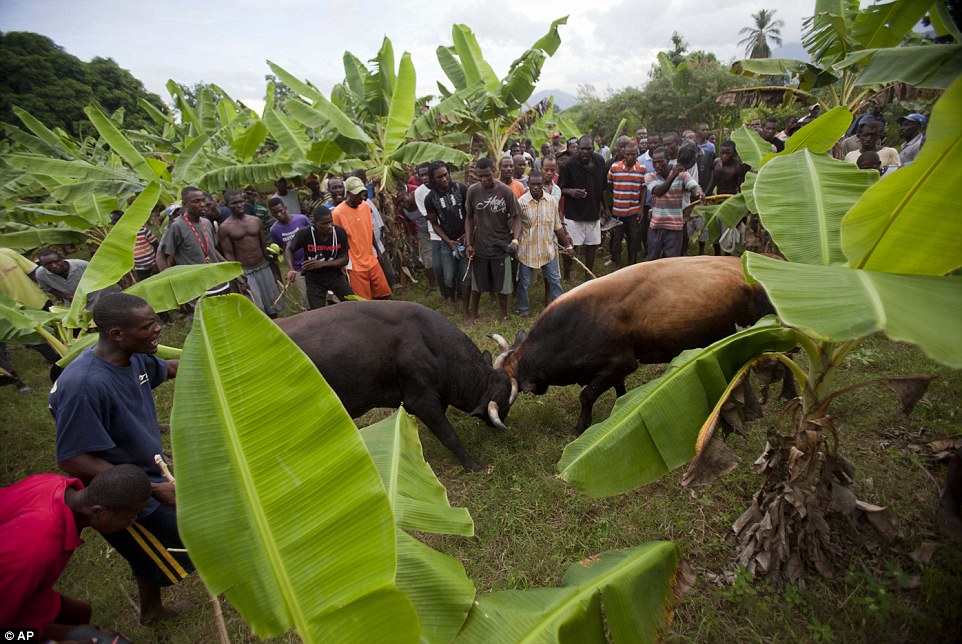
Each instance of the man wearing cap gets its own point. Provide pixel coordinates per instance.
(912, 131)
(354, 216)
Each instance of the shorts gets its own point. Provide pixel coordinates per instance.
(370, 284)
(424, 247)
(584, 233)
(492, 275)
(317, 288)
(144, 545)
(696, 226)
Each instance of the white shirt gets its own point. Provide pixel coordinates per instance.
(419, 196)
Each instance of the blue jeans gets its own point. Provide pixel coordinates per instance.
(438, 252)
(453, 270)
(552, 275)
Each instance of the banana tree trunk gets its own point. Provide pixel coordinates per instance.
(397, 243)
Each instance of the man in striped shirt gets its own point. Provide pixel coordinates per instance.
(540, 226)
(626, 181)
(668, 186)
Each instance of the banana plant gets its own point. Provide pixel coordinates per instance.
(372, 125)
(856, 51)
(858, 265)
(498, 110)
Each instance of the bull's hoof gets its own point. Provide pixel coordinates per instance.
(480, 468)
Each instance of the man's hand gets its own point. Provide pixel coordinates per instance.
(577, 193)
(164, 492)
(470, 250)
(453, 244)
(291, 274)
(312, 264)
(568, 250)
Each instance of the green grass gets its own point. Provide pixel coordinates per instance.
(530, 526)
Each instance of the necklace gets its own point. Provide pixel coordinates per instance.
(204, 245)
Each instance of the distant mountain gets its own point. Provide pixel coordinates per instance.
(793, 50)
(562, 99)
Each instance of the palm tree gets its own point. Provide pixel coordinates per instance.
(757, 37)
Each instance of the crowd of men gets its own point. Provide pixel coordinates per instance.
(512, 216)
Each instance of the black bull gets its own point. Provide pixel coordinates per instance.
(385, 353)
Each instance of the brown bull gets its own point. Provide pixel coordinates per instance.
(596, 334)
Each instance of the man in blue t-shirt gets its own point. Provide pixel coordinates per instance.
(104, 409)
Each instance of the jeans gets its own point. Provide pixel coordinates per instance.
(551, 275)
(449, 270)
(440, 253)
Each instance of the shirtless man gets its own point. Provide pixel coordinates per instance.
(728, 173)
(242, 239)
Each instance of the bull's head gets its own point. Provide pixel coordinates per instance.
(499, 396)
(507, 361)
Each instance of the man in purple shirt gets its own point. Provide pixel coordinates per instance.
(285, 225)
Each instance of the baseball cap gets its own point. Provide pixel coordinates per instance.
(354, 185)
(918, 118)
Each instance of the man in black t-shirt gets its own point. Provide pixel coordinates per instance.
(582, 180)
(325, 256)
(491, 231)
(444, 207)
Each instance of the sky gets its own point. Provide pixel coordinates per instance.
(609, 45)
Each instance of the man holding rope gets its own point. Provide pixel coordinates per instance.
(104, 409)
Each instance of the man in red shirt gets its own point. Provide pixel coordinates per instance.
(41, 519)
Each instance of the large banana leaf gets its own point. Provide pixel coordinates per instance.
(809, 76)
(96, 208)
(652, 429)
(550, 42)
(908, 222)
(70, 169)
(801, 199)
(324, 113)
(61, 147)
(451, 67)
(635, 587)
(76, 190)
(751, 147)
(417, 497)
(187, 159)
(928, 66)
(28, 142)
(289, 136)
(250, 141)
(821, 134)
(885, 25)
(27, 239)
(242, 174)
(278, 501)
(415, 152)
(837, 303)
(206, 111)
(119, 143)
(401, 113)
(732, 210)
(437, 585)
(115, 257)
(181, 284)
(475, 67)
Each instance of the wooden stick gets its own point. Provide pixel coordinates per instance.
(218, 612)
(283, 291)
(578, 261)
(468, 269)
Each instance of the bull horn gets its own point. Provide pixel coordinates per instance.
(501, 341)
(499, 360)
(514, 391)
(493, 415)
